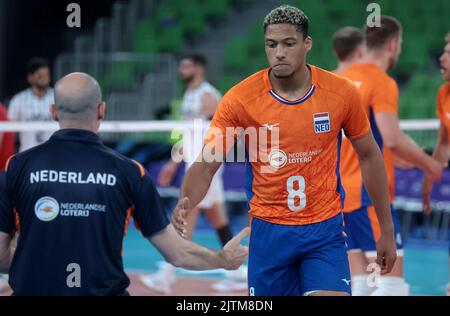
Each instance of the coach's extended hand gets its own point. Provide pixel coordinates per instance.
(232, 255)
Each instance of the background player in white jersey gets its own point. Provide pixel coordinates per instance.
(200, 101)
(33, 104)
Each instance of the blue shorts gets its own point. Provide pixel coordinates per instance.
(298, 260)
(362, 230)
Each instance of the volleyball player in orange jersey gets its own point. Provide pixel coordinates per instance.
(297, 243)
(380, 94)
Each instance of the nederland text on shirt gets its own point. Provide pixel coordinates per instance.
(72, 177)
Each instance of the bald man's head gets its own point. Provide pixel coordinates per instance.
(77, 97)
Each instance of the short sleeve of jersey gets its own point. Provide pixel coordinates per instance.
(222, 134)
(7, 218)
(149, 213)
(385, 97)
(355, 123)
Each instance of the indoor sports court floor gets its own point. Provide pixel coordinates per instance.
(426, 267)
(426, 264)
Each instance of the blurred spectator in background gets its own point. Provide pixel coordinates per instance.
(6, 140)
(33, 104)
(200, 101)
(6, 151)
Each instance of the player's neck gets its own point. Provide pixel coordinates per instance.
(92, 127)
(377, 58)
(195, 83)
(293, 87)
(342, 66)
(39, 92)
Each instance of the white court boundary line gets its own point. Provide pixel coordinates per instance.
(167, 126)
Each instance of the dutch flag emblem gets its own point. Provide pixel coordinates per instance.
(322, 122)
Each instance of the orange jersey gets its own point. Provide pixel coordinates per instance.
(443, 106)
(379, 94)
(294, 182)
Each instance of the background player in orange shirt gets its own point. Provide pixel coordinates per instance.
(348, 47)
(380, 99)
(297, 244)
(442, 150)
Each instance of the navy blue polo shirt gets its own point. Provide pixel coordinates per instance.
(70, 200)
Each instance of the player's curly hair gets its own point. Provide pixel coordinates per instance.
(447, 37)
(286, 14)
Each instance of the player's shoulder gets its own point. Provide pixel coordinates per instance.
(380, 78)
(384, 77)
(209, 86)
(250, 87)
(332, 82)
(444, 90)
(18, 160)
(20, 96)
(370, 73)
(130, 167)
(383, 83)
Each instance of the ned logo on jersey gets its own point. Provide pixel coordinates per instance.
(322, 122)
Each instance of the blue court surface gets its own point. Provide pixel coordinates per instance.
(426, 263)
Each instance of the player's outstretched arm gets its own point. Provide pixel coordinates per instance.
(376, 183)
(189, 255)
(441, 154)
(194, 188)
(197, 180)
(404, 147)
(6, 252)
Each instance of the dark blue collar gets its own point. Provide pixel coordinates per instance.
(80, 135)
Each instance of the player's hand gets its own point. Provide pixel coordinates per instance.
(435, 170)
(426, 193)
(386, 252)
(233, 254)
(168, 172)
(403, 164)
(179, 216)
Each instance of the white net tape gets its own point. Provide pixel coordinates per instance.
(167, 126)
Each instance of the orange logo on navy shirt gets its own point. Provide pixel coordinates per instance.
(322, 122)
(46, 209)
